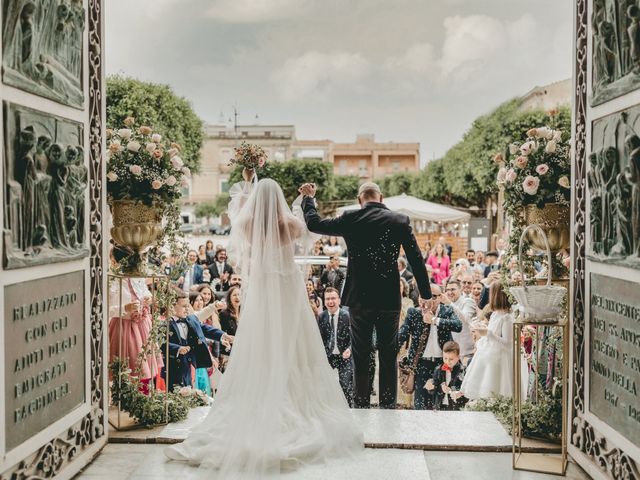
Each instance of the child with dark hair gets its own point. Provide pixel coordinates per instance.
(447, 379)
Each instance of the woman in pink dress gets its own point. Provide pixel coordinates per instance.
(440, 263)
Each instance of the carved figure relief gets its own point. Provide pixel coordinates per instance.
(45, 186)
(615, 49)
(42, 48)
(614, 189)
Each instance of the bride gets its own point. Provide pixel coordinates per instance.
(279, 404)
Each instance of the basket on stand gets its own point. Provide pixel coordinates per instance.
(539, 303)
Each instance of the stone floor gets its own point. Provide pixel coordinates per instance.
(139, 461)
(402, 444)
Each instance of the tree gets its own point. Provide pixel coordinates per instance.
(293, 173)
(397, 184)
(346, 187)
(212, 208)
(465, 175)
(159, 107)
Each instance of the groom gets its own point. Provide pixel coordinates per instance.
(373, 235)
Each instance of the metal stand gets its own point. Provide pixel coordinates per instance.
(555, 464)
(118, 418)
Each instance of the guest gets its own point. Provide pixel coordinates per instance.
(447, 247)
(419, 323)
(235, 280)
(471, 257)
(440, 262)
(465, 310)
(446, 381)
(229, 320)
(192, 276)
(220, 269)
(188, 344)
(466, 283)
(479, 260)
(202, 312)
(333, 276)
(202, 256)
(333, 247)
(476, 292)
(405, 400)
(210, 251)
(491, 260)
(402, 268)
(491, 371)
(427, 250)
(314, 299)
(213, 319)
(335, 328)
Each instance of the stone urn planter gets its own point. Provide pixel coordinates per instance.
(554, 220)
(136, 226)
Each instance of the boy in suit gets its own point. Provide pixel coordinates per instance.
(444, 386)
(188, 346)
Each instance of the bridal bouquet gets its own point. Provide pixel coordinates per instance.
(249, 156)
(142, 166)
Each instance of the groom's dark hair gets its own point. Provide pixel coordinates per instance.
(331, 290)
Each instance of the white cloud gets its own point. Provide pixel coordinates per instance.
(256, 11)
(316, 75)
(419, 58)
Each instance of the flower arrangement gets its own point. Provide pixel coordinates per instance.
(143, 166)
(149, 410)
(249, 156)
(537, 171)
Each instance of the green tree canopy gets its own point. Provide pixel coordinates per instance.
(293, 173)
(159, 107)
(346, 187)
(465, 175)
(212, 208)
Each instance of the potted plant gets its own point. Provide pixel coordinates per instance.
(145, 177)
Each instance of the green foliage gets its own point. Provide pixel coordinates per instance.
(397, 184)
(465, 176)
(212, 208)
(156, 105)
(293, 173)
(346, 187)
(539, 420)
(149, 410)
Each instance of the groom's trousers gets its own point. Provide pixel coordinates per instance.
(385, 322)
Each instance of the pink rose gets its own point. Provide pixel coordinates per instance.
(502, 175)
(521, 161)
(157, 153)
(135, 169)
(150, 147)
(184, 183)
(186, 171)
(511, 175)
(156, 137)
(261, 162)
(172, 152)
(528, 147)
(530, 185)
(177, 163)
(156, 184)
(542, 169)
(171, 180)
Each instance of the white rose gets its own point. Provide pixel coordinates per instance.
(557, 136)
(173, 152)
(528, 147)
(511, 175)
(171, 180)
(150, 147)
(156, 137)
(124, 133)
(502, 175)
(112, 177)
(544, 132)
(186, 171)
(513, 148)
(177, 162)
(551, 147)
(135, 169)
(133, 146)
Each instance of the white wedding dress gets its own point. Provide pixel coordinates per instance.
(279, 404)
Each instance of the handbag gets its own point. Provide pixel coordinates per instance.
(406, 372)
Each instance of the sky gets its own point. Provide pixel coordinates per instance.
(404, 70)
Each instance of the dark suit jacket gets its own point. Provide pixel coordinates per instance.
(407, 275)
(197, 339)
(439, 377)
(414, 326)
(229, 325)
(344, 330)
(213, 269)
(373, 235)
(337, 283)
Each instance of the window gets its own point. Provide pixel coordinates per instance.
(222, 134)
(363, 170)
(343, 167)
(245, 134)
(267, 133)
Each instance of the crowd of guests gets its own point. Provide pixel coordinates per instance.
(458, 344)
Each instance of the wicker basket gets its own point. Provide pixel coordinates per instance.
(540, 303)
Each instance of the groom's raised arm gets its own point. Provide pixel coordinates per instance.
(330, 226)
(414, 256)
